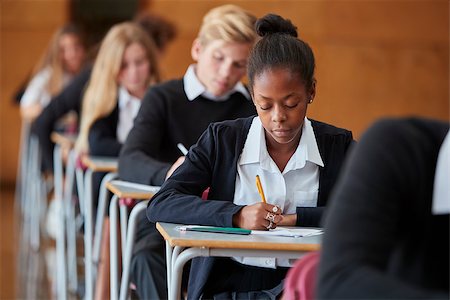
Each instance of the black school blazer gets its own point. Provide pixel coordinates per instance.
(212, 162)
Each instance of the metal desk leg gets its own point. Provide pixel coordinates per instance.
(35, 196)
(71, 224)
(79, 175)
(123, 209)
(180, 261)
(89, 294)
(169, 266)
(60, 238)
(126, 257)
(23, 162)
(114, 257)
(101, 210)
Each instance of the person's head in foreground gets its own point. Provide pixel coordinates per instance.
(382, 238)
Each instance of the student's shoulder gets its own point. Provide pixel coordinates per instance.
(321, 128)
(165, 92)
(169, 87)
(408, 129)
(232, 126)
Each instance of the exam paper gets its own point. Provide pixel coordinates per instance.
(289, 232)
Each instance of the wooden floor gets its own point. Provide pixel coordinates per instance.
(23, 271)
(8, 245)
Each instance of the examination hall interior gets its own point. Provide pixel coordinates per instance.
(374, 59)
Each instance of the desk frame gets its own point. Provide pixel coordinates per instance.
(123, 189)
(180, 250)
(93, 164)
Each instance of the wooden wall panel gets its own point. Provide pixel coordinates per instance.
(25, 29)
(374, 58)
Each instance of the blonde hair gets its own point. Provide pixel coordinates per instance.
(52, 58)
(100, 97)
(229, 23)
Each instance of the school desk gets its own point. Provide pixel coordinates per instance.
(124, 190)
(63, 193)
(182, 246)
(93, 164)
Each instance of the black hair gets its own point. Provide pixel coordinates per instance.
(280, 48)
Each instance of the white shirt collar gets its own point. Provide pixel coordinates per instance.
(194, 88)
(125, 97)
(255, 150)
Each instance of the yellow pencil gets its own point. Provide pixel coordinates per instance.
(260, 189)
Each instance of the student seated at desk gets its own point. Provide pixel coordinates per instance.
(159, 30)
(125, 67)
(297, 159)
(61, 63)
(178, 111)
(386, 236)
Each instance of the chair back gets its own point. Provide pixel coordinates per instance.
(205, 194)
(301, 279)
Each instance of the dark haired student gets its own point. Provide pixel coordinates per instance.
(387, 229)
(297, 159)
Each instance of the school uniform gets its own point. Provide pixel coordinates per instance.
(214, 162)
(37, 90)
(68, 100)
(176, 111)
(107, 134)
(382, 238)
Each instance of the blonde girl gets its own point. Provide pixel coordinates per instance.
(124, 69)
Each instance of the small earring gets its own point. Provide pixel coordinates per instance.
(311, 100)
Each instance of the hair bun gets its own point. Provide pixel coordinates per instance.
(271, 23)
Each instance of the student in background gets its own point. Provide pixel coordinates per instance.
(62, 61)
(125, 67)
(382, 238)
(281, 145)
(158, 28)
(178, 111)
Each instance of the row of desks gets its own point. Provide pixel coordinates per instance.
(181, 246)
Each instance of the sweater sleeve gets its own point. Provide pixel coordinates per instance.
(103, 137)
(69, 99)
(179, 200)
(138, 158)
(366, 220)
(36, 91)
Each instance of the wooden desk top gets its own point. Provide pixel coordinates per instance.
(64, 140)
(236, 241)
(125, 189)
(100, 163)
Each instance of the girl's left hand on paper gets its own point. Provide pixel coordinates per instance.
(259, 216)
